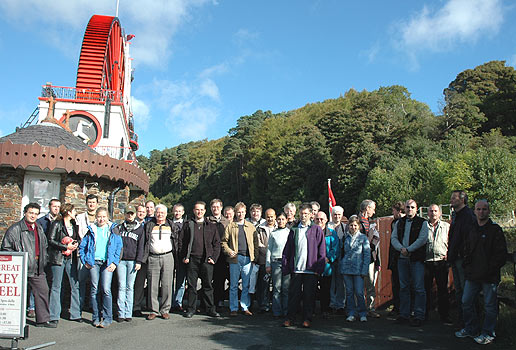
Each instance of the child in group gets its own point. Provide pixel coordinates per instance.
(280, 283)
(100, 253)
(354, 265)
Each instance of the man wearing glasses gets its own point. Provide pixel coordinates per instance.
(409, 237)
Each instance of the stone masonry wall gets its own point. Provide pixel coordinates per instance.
(11, 191)
(73, 189)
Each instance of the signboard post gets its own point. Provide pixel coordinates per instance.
(13, 295)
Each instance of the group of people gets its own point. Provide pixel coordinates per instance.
(279, 261)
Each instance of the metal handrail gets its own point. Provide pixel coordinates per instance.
(72, 93)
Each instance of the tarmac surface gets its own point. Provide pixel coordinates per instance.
(257, 332)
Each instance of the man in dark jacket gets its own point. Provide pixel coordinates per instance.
(398, 211)
(485, 252)
(462, 221)
(409, 237)
(53, 211)
(221, 269)
(304, 258)
(199, 247)
(27, 236)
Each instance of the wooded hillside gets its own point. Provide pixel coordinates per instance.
(379, 144)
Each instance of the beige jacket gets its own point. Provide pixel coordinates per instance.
(437, 246)
(230, 241)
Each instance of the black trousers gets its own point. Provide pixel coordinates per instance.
(220, 275)
(439, 271)
(324, 290)
(197, 268)
(395, 283)
(302, 287)
(139, 288)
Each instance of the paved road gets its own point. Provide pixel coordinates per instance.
(243, 332)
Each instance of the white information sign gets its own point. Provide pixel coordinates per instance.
(13, 294)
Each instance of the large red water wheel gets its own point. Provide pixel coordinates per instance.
(101, 63)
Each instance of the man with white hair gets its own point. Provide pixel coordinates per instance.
(161, 241)
(290, 211)
(436, 266)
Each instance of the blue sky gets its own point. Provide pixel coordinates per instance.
(201, 64)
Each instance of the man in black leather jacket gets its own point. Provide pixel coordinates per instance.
(28, 236)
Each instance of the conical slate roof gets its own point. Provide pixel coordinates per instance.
(47, 134)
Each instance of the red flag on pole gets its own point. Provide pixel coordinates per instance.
(331, 200)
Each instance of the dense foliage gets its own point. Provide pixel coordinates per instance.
(381, 145)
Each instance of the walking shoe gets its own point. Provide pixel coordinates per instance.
(463, 334)
(247, 313)
(213, 313)
(484, 339)
(188, 314)
(363, 319)
(128, 319)
(350, 319)
(95, 323)
(31, 313)
(49, 324)
(233, 313)
(373, 314)
(137, 313)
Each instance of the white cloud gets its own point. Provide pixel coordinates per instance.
(214, 70)
(371, 53)
(141, 113)
(209, 88)
(458, 21)
(191, 121)
(191, 107)
(245, 36)
(154, 22)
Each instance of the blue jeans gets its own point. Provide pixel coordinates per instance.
(99, 272)
(31, 302)
(470, 293)
(355, 301)
(459, 280)
(240, 269)
(126, 276)
(55, 294)
(180, 283)
(412, 273)
(280, 285)
(337, 290)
